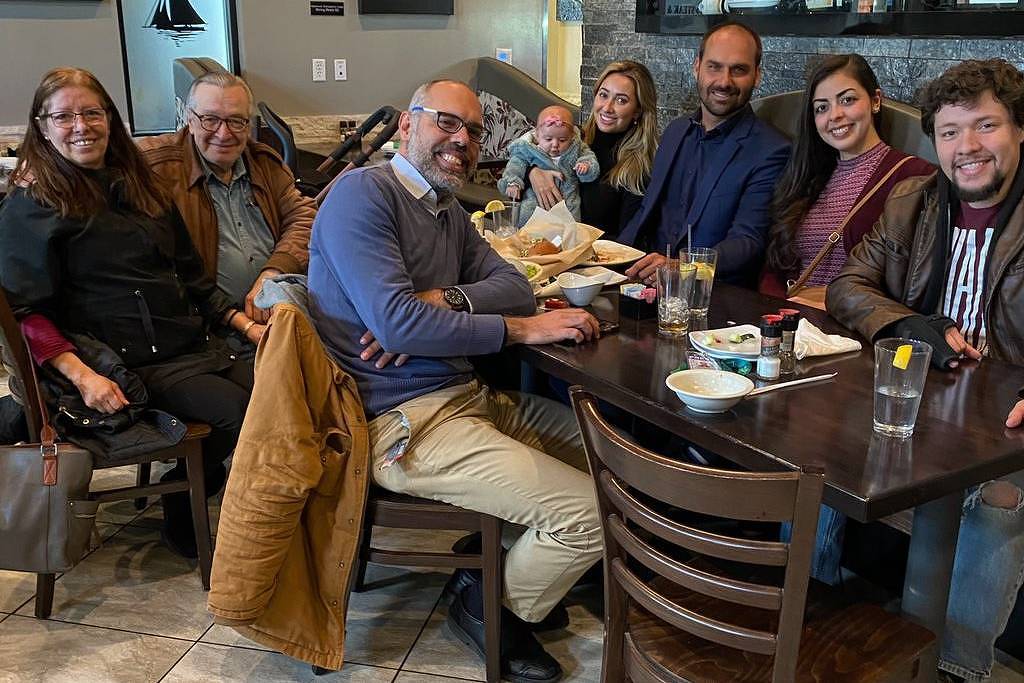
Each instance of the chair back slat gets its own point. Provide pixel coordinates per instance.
(693, 597)
(754, 496)
(17, 353)
(723, 633)
(712, 585)
(751, 551)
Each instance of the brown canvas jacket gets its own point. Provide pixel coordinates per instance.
(174, 159)
(886, 276)
(293, 507)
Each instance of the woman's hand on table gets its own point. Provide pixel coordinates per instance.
(646, 269)
(545, 186)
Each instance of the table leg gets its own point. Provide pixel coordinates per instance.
(529, 378)
(930, 568)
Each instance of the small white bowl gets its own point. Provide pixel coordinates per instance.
(709, 391)
(580, 290)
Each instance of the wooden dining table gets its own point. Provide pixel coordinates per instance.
(959, 440)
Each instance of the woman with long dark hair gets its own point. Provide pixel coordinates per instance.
(92, 248)
(837, 179)
(622, 131)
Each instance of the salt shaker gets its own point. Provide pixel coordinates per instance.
(771, 340)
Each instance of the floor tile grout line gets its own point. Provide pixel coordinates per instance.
(105, 628)
(401, 667)
(177, 661)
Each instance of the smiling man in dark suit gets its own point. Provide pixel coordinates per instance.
(715, 170)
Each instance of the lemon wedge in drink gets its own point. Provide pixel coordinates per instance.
(705, 271)
(494, 205)
(477, 219)
(902, 358)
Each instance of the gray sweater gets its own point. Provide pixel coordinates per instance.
(380, 237)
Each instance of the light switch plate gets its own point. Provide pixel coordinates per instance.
(340, 70)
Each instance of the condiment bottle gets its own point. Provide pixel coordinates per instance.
(787, 358)
(771, 340)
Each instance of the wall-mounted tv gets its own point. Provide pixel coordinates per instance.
(407, 6)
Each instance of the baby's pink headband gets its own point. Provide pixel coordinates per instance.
(554, 120)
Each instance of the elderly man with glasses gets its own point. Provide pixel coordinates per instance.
(238, 199)
(395, 254)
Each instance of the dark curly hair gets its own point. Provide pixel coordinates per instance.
(966, 82)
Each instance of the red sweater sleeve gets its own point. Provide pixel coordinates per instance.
(44, 339)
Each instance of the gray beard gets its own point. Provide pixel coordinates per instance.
(423, 160)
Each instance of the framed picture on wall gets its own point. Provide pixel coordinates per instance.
(156, 32)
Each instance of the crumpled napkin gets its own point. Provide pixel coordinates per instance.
(810, 341)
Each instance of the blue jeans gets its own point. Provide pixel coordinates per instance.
(987, 572)
(828, 544)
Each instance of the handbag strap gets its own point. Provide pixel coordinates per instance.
(30, 381)
(837, 234)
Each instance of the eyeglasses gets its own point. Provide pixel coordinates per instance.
(66, 119)
(211, 123)
(450, 123)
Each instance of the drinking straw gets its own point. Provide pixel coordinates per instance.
(689, 235)
(668, 251)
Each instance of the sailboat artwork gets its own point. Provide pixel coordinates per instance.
(176, 18)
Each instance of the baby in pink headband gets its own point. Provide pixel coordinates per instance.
(554, 145)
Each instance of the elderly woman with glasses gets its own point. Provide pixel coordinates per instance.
(90, 247)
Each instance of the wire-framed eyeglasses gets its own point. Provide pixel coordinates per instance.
(66, 119)
(450, 123)
(211, 123)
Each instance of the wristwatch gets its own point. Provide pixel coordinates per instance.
(454, 297)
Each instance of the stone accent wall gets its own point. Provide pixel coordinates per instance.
(903, 65)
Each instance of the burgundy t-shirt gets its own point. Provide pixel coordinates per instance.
(970, 246)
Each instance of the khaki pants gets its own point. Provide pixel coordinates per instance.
(511, 455)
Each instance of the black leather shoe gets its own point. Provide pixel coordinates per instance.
(523, 658)
(556, 620)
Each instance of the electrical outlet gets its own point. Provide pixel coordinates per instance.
(340, 70)
(319, 70)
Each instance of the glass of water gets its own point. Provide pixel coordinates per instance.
(705, 260)
(901, 368)
(675, 289)
(507, 220)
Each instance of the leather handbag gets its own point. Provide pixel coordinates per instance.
(46, 517)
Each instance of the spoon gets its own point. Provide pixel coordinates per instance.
(791, 383)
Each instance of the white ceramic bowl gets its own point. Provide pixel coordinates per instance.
(580, 290)
(709, 391)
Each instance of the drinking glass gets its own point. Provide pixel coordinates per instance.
(901, 368)
(705, 260)
(675, 288)
(505, 220)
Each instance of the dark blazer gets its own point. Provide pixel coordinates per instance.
(730, 209)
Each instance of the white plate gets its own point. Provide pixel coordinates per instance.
(749, 349)
(615, 253)
(605, 275)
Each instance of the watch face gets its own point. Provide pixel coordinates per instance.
(455, 298)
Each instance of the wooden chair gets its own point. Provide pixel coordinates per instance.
(397, 511)
(707, 620)
(189, 450)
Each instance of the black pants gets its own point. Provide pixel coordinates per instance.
(219, 400)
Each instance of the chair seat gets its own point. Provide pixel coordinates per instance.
(840, 643)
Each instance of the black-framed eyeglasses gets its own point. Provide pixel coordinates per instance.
(450, 123)
(211, 123)
(66, 119)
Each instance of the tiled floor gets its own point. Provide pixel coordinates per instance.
(133, 611)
